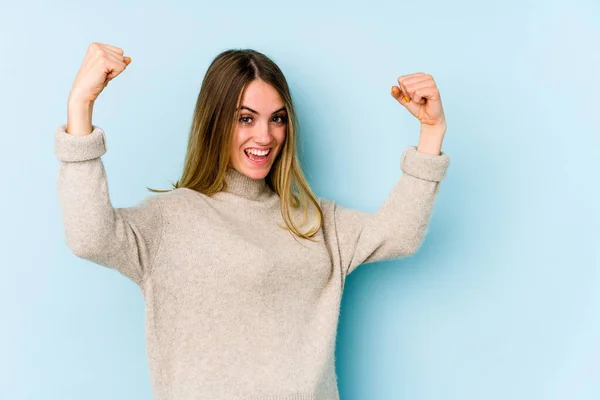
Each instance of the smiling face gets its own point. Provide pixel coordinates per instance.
(261, 125)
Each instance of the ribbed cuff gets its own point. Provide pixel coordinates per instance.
(424, 166)
(72, 148)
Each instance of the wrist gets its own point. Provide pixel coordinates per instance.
(433, 130)
(430, 141)
(77, 99)
(75, 103)
(79, 116)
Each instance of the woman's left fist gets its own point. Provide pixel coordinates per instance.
(419, 94)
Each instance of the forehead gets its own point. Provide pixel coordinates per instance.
(261, 96)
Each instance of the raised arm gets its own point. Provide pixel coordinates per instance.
(125, 239)
(399, 226)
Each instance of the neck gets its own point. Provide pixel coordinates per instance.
(243, 186)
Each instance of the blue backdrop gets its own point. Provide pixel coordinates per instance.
(501, 302)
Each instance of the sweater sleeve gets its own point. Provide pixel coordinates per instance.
(124, 239)
(399, 226)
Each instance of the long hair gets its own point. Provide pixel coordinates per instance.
(213, 125)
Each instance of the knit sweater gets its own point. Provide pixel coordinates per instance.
(237, 307)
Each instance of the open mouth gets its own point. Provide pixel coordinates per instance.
(258, 159)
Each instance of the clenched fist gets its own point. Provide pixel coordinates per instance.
(101, 64)
(421, 97)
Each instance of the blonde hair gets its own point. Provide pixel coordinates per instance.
(216, 114)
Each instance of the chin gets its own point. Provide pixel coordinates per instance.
(256, 173)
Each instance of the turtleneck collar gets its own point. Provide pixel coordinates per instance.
(242, 185)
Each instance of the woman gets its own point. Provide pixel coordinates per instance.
(242, 267)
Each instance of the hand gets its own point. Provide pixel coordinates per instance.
(101, 64)
(419, 94)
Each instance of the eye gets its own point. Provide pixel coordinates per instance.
(282, 119)
(242, 119)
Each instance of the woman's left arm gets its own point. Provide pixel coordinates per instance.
(398, 228)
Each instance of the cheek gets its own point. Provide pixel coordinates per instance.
(280, 135)
(238, 139)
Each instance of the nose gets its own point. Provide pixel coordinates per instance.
(262, 135)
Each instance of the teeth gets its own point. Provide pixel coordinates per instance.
(258, 152)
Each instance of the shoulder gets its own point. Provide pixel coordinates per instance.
(328, 207)
(324, 202)
(174, 198)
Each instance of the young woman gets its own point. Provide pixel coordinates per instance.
(241, 266)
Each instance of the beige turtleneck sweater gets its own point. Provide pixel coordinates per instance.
(236, 308)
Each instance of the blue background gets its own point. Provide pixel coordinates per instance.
(501, 302)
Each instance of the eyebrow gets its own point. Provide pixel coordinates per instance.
(256, 112)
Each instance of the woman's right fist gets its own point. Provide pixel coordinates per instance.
(101, 64)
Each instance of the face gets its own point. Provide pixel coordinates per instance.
(261, 125)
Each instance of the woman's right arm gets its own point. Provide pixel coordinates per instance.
(125, 239)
